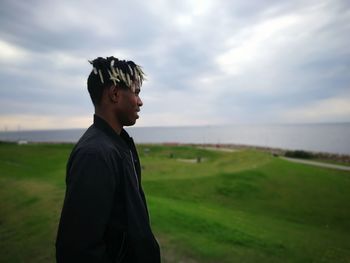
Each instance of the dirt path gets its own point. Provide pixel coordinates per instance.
(327, 165)
(220, 149)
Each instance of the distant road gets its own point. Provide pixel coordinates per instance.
(295, 160)
(327, 165)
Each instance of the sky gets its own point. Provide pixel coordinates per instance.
(209, 62)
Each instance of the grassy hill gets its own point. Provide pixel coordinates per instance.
(205, 206)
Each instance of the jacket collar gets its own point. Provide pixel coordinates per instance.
(123, 139)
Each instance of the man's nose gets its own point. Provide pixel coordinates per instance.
(139, 102)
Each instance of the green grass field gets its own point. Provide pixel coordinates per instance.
(244, 206)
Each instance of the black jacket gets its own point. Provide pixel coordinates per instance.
(104, 216)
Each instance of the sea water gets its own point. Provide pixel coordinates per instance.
(331, 138)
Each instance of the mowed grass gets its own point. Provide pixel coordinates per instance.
(244, 206)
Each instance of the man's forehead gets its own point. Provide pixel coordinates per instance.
(135, 88)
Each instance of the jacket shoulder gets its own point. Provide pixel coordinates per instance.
(96, 141)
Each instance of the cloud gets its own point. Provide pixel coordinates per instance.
(254, 46)
(285, 42)
(335, 109)
(219, 62)
(42, 122)
(10, 53)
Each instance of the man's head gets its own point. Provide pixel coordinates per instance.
(114, 87)
(112, 71)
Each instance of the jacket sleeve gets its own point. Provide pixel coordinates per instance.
(86, 211)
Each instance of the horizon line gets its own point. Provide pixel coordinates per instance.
(184, 126)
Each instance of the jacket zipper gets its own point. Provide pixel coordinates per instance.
(133, 165)
(120, 253)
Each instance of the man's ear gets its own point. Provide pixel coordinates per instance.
(113, 93)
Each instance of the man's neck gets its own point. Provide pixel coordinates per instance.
(110, 120)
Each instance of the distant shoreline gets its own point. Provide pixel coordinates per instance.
(344, 158)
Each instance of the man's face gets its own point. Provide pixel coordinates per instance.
(129, 104)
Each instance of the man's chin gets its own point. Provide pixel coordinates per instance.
(131, 123)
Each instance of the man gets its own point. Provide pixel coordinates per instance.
(104, 216)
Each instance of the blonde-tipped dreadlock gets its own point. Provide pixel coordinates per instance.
(112, 71)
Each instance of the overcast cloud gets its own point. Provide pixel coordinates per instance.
(207, 62)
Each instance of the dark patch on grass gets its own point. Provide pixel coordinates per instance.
(299, 154)
(28, 202)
